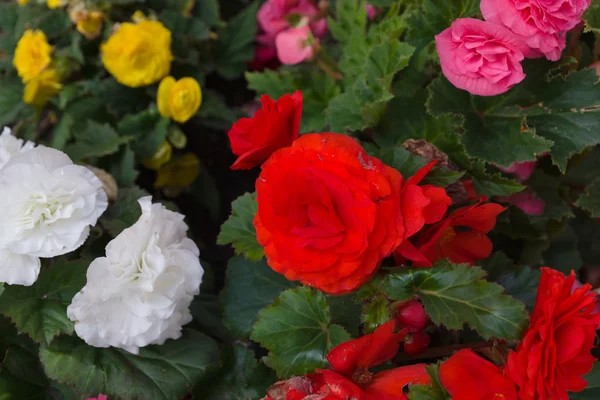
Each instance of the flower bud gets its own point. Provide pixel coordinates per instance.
(160, 158)
(412, 316)
(109, 184)
(416, 343)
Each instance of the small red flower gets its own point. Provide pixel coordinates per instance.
(412, 315)
(274, 126)
(467, 376)
(443, 240)
(353, 359)
(424, 204)
(556, 349)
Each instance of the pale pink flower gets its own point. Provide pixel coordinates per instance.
(480, 57)
(371, 11)
(275, 16)
(522, 170)
(541, 23)
(526, 200)
(293, 45)
(100, 397)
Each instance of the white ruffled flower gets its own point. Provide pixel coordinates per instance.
(11, 146)
(139, 294)
(47, 205)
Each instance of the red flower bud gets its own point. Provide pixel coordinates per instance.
(412, 316)
(416, 343)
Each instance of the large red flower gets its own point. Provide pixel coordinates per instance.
(556, 349)
(327, 212)
(467, 376)
(444, 240)
(274, 126)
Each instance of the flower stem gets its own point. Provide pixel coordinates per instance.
(328, 65)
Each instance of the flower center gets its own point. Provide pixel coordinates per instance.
(362, 377)
(45, 209)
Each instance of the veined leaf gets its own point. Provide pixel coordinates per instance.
(457, 294)
(298, 332)
(239, 229)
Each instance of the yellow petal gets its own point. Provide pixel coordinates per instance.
(162, 96)
(161, 157)
(179, 173)
(185, 99)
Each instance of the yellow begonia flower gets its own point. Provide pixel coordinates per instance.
(160, 158)
(32, 54)
(40, 89)
(22, 2)
(56, 3)
(179, 100)
(89, 24)
(178, 174)
(138, 54)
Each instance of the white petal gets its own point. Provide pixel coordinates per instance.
(17, 269)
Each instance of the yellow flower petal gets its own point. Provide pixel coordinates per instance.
(162, 97)
(56, 3)
(179, 173)
(90, 24)
(32, 55)
(40, 89)
(161, 157)
(138, 54)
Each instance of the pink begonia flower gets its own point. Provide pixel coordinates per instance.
(293, 45)
(480, 57)
(100, 397)
(264, 57)
(522, 170)
(526, 200)
(371, 11)
(275, 16)
(542, 24)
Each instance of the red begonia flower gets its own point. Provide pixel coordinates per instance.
(467, 376)
(556, 349)
(274, 126)
(443, 240)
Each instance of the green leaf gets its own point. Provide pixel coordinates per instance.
(208, 11)
(455, 294)
(249, 287)
(273, 83)
(149, 129)
(548, 188)
(95, 140)
(363, 104)
(207, 315)
(435, 16)
(297, 331)
(75, 117)
(350, 15)
(40, 311)
(519, 282)
(124, 212)
(563, 251)
(239, 230)
(241, 377)
(122, 167)
(590, 200)
(162, 372)
(12, 107)
(592, 18)
(236, 47)
(345, 311)
(492, 132)
(376, 310)
(112, 93)
(561, 113)
(53, 22)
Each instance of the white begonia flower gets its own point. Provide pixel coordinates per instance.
(47, 206)
(140, 293)
(11, 146)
